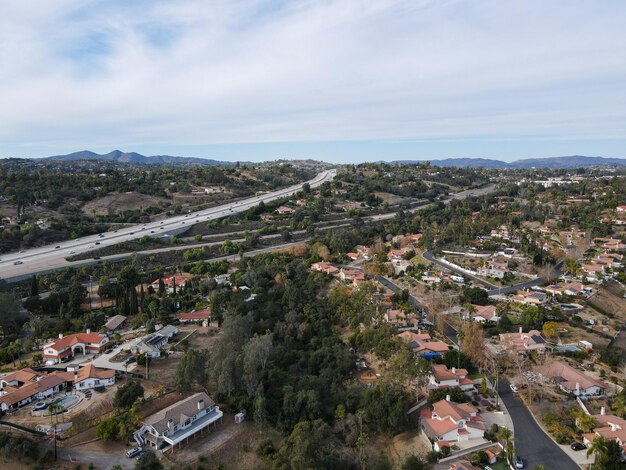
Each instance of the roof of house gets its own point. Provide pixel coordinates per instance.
(76, 338)
(44, 383)
(92, 372)
(179, 412)
(115, 322)
(441, 372)
(24, 375)
(454, 410)
(422, 342)
(204, 314)
(568, 376)
(485, 311)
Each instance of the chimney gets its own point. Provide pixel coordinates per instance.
(200, 404)
(520, 330)
(88, 330)
(602, 411)
(60, 335)
(75, 376)
(447, 397)
(577, 387)
(170, 423)
(454, 370)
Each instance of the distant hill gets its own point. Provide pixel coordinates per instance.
(575, 161)
(133, 157)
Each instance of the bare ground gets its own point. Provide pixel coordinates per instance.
(118, 202)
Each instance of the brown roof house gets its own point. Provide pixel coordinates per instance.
(177, 422)
(450, 421)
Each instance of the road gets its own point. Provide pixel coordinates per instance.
(556, 272)
(430, 257)
(15, 266)
(531, 442)
(497, 290)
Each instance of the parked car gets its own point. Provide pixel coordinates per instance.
(135, 451)
(513, 389)
(578, 446)
(131, 359)
(519, 462)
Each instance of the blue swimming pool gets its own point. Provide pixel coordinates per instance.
(68, 401)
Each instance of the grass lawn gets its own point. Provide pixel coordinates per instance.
(499, 465)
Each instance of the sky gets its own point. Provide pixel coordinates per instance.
(341, 81)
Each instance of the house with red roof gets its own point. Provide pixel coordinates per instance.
(450, 421)
(352, 275)
(66, 347)
(423, 344)
(484, 314)
(399, 318)
(170, 283)
(40, 388)
(522, 342)
(442, 377)
(325, 267)
(610, 427)
(203, 315)
(88, 377)
(572, 380)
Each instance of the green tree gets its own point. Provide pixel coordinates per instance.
(108, 429)
(127, 395)
(606, 452)
(192, 369)
(34, 286)
(148, 461)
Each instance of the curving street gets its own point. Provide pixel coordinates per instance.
(531, 442)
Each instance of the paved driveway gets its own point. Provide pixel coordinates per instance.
(531, 443)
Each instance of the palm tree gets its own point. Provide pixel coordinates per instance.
(54, 408)
(607, 454)
(506, 435)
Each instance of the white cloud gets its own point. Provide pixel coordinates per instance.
(79, 74)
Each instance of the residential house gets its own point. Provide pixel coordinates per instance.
(88, 377)
(39, 388)
(199, 316)
(325, 267)
(571, 380)
(423, 344)
(170, 283)
(494, 269)
(442, 377)
(174, 424)
(65, 347)
(151, 344)
(484, 314)
(284, 210)
(523, 343)
(530, 298)
(610, 427)
(400, 319)
(593, 272)
(114, 322)
(450, 421)
(352, 275)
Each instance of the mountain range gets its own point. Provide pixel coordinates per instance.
(137, 158)
(575, 161)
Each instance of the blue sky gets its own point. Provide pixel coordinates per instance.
(342, 81)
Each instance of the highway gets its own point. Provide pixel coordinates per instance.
(14, 266)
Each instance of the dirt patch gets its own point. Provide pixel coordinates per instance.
(119, 202)
(608, 301)
(402, 445)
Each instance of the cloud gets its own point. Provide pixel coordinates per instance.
(78, 74)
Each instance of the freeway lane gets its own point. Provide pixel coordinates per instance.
(531, 443)
(47, 258)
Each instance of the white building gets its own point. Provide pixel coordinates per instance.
(178, 422)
